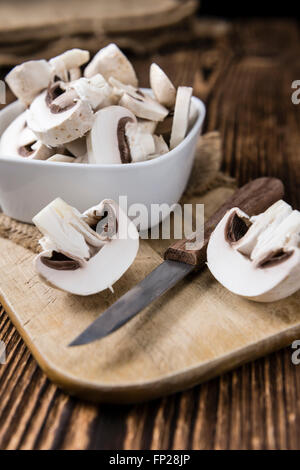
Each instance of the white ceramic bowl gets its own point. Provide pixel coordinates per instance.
(26, 186)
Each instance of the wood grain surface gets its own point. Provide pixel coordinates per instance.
(246, 83)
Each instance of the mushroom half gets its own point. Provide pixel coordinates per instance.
(85, 253)
(116, 138)
(19, 141)
(58, 115)
(259, 257)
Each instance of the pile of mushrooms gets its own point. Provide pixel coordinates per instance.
(258, 257)
(96, 114)
(84, 253)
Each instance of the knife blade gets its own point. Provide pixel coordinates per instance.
(165, 276)
(253, 198)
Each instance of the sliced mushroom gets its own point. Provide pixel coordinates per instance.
(143, 106)
(147, 126)
(141, 144)
(19, 141)
(79, 258)
(27, 80)
(60, 120)
(160, 147)
(181, 115)
(262, 226)
(107, 142)
(75, 74)
(111, 62)
(163, 89)
(63, 64)
(60, 158)
(265, 275)
(77, 148)
(95, 91)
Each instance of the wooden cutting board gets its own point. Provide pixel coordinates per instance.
(194, 332)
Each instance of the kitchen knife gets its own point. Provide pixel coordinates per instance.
(253, 198)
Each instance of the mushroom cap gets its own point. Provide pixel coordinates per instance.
(103, 269)
(55, 129)
(111, 62)
(163, 89)
(103, 141)
(241, 276)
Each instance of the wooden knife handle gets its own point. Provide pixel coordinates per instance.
(253, 198)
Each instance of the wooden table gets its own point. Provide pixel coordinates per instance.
(245, 80)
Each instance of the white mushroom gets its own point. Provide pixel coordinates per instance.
(58, 116)
(75, 74)
(79, 258)
(27, 80)
(120, 88)
(111, 62)
(60, 158)
(262, 226)
(143, 106)
(141, 144)
(181, 115)
(77, 148)
(95, 91)
(19, 141)
(64, 64)
(147, 126)
(163, 89)
(107, 142)
(267, 274)
(115, 138)
(160, 147)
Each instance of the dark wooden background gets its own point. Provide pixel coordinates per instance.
(245, 79)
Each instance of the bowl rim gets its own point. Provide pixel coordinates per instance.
(116, 166)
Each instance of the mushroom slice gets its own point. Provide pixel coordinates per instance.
(274, 274)
(181, 115)
(144, 125)
(66, 62)
(263, 225)
(111, 62)
(27, 80)
(77, 148)
(120, 88)
(160, 147)
(163, 89)
(95, 91)
(107, 142)
(141, 144)
(62, 159)
(19, 141)
(143, 106)
(75, 74)
(60, 120)
(75, 257)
